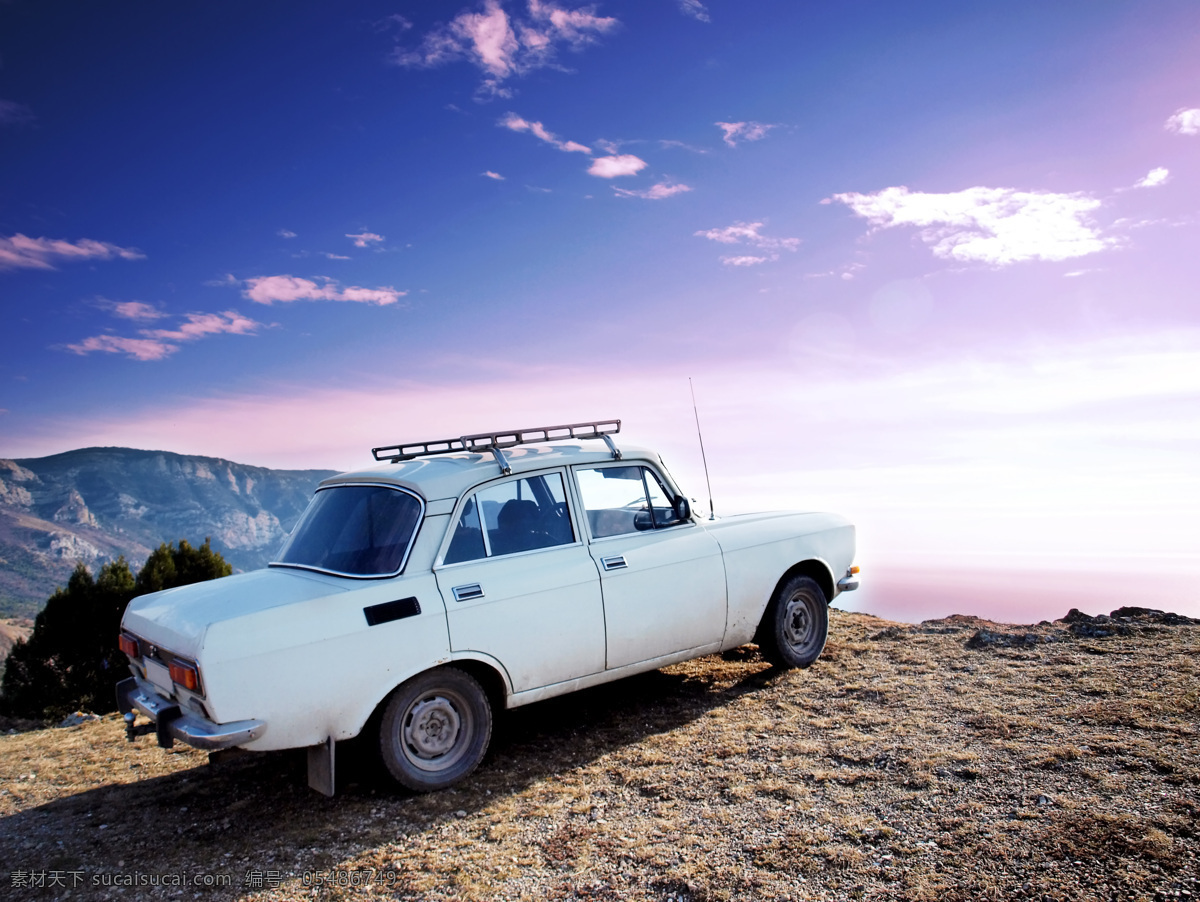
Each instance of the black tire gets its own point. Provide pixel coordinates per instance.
(795, 625)
(435, 729)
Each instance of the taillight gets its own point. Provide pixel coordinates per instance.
(185, 675)
(129, 645)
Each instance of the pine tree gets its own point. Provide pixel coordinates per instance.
(71, 661)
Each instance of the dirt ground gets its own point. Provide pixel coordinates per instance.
(951, 760)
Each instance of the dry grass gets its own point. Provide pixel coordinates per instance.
(902, 765)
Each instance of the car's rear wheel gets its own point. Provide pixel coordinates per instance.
(435, 729)
(796, 624)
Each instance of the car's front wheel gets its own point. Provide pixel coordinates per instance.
(796, 624)
(435, 729)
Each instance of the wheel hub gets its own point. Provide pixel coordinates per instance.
(432, 727)
(797, 623)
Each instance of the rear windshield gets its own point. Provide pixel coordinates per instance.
(354, 530)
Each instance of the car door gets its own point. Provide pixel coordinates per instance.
(519, 584)
(662, 578)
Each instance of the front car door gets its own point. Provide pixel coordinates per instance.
(520, 585)
(662, 577)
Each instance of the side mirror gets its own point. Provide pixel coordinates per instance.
(683, 510)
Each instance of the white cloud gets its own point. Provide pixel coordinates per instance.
(515, 123)
(22, 252)
(330, 256)
(12, 113)
(365, 239)
(285, 289)
(747, 261)
(743, 131)
(1184, 122)
(612, 167)
(657, 192)
(286, 233)
(1155, 177)
(493, 175)
(695, 9)
(748, 233)
(502, 45)
(999, 226)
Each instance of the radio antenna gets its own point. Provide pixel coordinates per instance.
(711, 513)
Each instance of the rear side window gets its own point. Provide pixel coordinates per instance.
(354, 530)
(518, 515)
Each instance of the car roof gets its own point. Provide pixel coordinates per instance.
(449, 475)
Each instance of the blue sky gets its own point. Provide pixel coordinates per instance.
(930, 264)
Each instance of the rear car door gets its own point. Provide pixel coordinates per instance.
(519, 583)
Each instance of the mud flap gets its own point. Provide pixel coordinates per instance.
(321, 766)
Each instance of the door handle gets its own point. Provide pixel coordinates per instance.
(614, 563)
(466, 593)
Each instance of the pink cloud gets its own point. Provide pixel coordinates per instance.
(135, 348)
(503, 45)
(747, 261)
(12, 113)
(198, 325)
(657, 192)
(23, 252)
(695, 9)
(616, 166)
(748, 233)
(158, 344)
(269, 289)
(136, 310)
(516, 123)
(1030, 430)
(365, 239)
(736, 132)
(576, 26)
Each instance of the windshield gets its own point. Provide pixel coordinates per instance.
(354, 530)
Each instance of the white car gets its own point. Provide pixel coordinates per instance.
(464, 577)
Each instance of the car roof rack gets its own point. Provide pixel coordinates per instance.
(495, 442)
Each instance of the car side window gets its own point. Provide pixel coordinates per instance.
(513, 516)
(621, 500)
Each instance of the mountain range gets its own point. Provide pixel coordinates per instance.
(94, 504)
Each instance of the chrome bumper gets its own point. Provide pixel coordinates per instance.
(848, 583)
(171, 723)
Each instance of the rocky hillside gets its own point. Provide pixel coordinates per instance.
(94, 504)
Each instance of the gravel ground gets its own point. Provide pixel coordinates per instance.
(951, 760)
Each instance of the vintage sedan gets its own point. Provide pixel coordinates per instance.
(466, 576)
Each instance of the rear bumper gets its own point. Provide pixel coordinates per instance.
(170, 722)
(848, 583)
